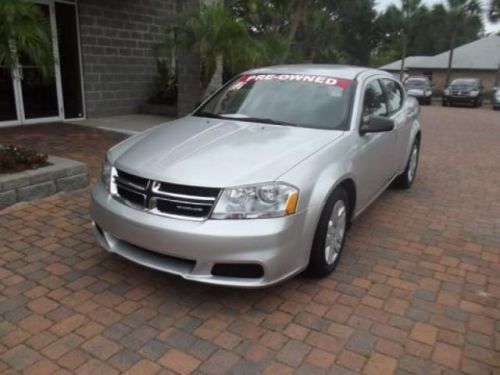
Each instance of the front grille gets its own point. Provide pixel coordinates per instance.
(459, 93)
(165, 198)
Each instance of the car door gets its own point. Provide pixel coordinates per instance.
(402, 122)
(374, 162)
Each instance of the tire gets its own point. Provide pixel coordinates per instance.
(336, 208)
(444, 103)
(428, 101)
(405, 179)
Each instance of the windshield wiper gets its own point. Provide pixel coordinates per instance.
(266, 121)
(245, 118)
(209, 114)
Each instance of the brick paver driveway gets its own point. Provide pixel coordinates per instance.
(418, 290)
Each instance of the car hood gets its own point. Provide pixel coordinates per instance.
(218, 153)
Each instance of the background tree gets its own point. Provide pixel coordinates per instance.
(403, 24)
(215, 34)
(356, 29)
(494, 11)
(459, 12)
(432, 33)
(25, 31)
(299, 13)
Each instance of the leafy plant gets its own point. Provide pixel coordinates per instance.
(25, 31)
(16, 159)
(166, 83)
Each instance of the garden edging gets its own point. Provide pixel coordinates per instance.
(61, 175)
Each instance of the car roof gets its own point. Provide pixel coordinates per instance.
(333, 70)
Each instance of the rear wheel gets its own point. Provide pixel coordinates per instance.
(444, 103)
(405, 179)
(330, 235)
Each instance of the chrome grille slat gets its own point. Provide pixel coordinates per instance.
(128, 184)
(181, 201)
(181, 196)
(166, 199)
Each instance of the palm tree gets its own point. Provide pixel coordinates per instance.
(494, 11)
(319, 26)
(213, 33)
(409, 11)
(24, 31)
(459, 11)
(298, 16)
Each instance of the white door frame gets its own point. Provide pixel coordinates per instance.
(17, 84)
(57, 72)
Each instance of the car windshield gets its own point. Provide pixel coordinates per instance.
(420, 83)
(310, 101)
(464, 83)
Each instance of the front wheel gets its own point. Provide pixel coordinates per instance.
(405, 179)
(330, 235)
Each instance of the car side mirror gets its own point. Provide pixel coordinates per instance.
(376, 124)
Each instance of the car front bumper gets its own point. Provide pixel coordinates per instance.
(462, 99)
(420, 97)
(190, 249)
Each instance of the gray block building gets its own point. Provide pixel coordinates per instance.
(104, 62)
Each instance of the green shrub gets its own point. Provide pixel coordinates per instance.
(16, 159)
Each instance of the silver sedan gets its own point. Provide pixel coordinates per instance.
(262, 181)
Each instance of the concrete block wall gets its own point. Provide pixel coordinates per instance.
(117, 37)
(61, 175)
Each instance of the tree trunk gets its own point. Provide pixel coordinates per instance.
(403, 57)
(450, 57)
(298, 16)
(312, 55)
(216, 79)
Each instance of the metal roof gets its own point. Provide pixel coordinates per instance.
(409, 61)
(482, 54)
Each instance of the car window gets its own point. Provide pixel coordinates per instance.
(374, 100)
(394, 95)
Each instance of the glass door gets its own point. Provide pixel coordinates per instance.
(8, 106)
(26, 96)
(40, 96)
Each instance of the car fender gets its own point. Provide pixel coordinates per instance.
(414, 133)
(318, 175)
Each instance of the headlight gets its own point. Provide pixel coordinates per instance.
(474, 93)
(273, 199)
(446, 92)
(106, 174)
(428, 93)
(497, 95)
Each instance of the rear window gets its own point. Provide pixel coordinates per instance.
(312, 101)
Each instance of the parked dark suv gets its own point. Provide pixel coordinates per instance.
(464, 91)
